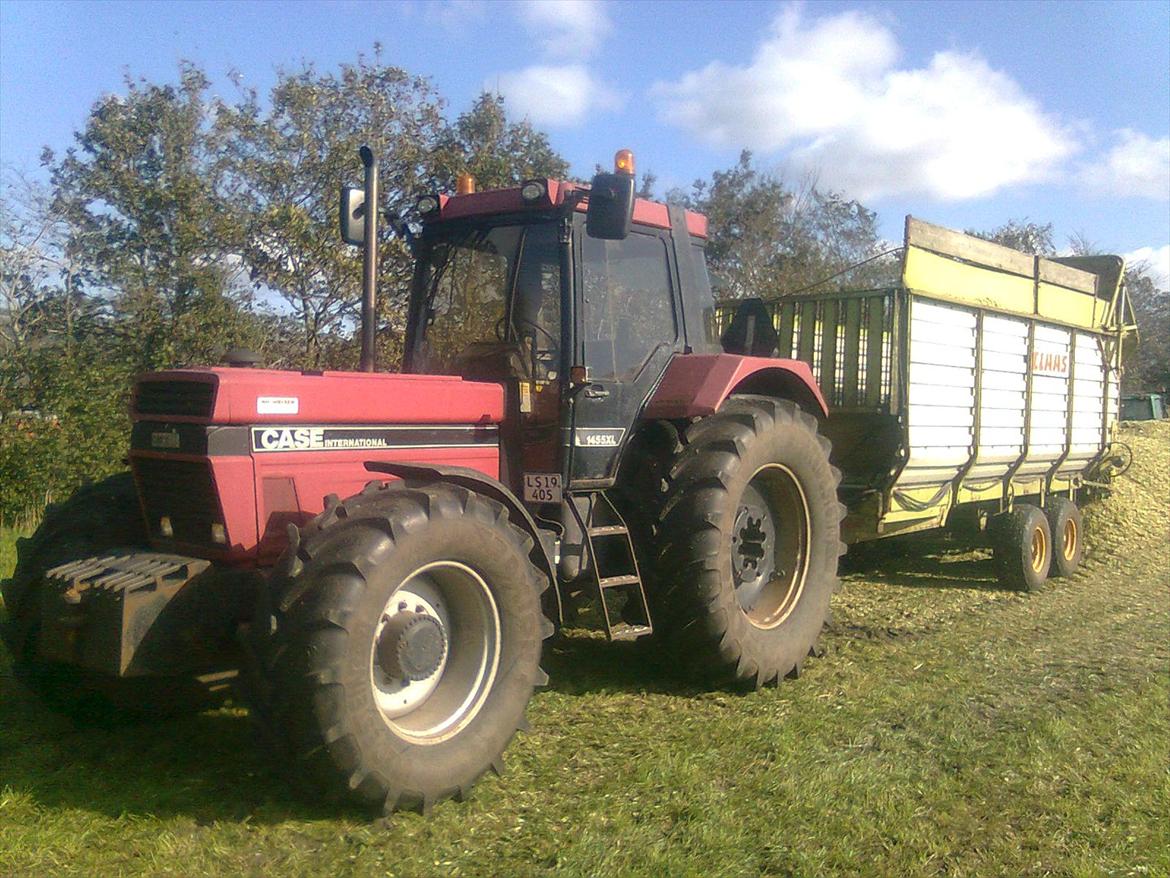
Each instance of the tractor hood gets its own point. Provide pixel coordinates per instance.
(251, 396)
(225, 459)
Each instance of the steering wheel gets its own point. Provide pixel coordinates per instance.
(540, 329)
(501, 325)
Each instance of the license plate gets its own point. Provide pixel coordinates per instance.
(164, 440)
(542, 488)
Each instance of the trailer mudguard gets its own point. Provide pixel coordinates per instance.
(474, 480)
(695, 385)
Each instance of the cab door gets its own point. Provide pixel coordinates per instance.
(627, 331)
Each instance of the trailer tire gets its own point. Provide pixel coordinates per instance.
(1022, 545)
(1067, 527)
(404, 645)
(97, 518)
(746, 543)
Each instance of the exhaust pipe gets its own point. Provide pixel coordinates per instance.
(369, 261)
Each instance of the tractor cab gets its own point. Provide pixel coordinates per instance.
(574, 298)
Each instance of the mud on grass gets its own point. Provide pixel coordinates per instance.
(952, 729)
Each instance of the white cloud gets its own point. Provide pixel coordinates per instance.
(1137, 165)
(1158, 261)
(566, 28)
(830, 92)
(560, 94)
(555, 95)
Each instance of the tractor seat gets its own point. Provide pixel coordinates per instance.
(751, 333)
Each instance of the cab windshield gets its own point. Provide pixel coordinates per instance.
(484, 287)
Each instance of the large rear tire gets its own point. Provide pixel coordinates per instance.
(405, 645)
(746, 543)
(96, 519)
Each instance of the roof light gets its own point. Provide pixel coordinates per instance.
(623, 162)
(428, 204)
(532, 190)
(464, 184)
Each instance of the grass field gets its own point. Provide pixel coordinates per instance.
(951, 728)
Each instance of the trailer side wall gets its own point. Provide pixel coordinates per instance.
(987, 376)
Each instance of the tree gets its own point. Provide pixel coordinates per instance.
(142, 192)
(39, 275)
(288, 161)
(483, 143)
(62, 399)
(766, 240)
(1021, 235)
(1147, 361)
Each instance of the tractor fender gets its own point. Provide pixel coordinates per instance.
(474, 480)
(695, 385)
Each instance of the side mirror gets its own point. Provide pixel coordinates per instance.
(611, 207)
(352, 215)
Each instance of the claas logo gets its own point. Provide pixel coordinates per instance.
(1050, 363)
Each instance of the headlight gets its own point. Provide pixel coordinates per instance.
(532, 190)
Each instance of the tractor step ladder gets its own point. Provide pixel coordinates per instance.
(614, 568)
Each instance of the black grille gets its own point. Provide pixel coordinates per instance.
(191, 398)
(182, 491)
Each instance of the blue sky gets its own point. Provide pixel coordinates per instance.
(966, 114)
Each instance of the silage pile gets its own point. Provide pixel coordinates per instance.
(1134, 518)
(910, 586)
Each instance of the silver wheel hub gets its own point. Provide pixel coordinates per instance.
(411, 647)
(435, 652)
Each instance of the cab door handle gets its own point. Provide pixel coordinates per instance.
(596, 391)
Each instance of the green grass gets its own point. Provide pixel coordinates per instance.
(951, 729)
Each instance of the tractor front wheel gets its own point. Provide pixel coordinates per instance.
(406, 645)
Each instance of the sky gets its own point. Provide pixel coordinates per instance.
(966, 114)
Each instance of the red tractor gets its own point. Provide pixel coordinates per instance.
(566, 425)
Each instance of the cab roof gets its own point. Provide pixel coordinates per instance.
(501, 201)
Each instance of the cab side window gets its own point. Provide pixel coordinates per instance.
(627, 308)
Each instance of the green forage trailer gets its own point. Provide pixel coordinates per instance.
(981, 391)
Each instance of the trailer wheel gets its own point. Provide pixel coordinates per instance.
(1022, 547)
(1067, 528)
(748, 539)
(97, 518)
(409, 648)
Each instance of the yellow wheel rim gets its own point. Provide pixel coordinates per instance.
(1039, 549)
(1069, 540)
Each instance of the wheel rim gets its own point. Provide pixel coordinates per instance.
(446, 684)
(770, 546)
(1039, 549)
(1069, 539)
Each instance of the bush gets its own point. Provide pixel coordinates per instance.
(63, 422)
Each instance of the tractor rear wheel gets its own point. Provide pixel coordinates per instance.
(96, 519)
(747, 542)
(1022, 546)
(1068, 545)
(405, 645)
